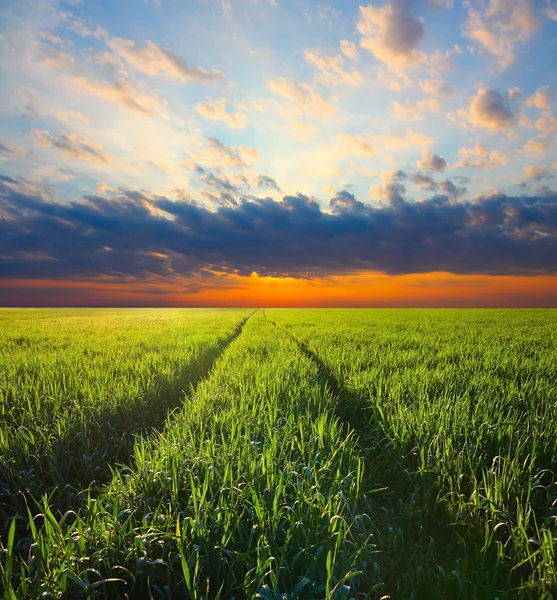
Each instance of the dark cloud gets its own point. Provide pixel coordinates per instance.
(423, 181)
(451, 189)
(266, 182)
(432, 162)
(142, 235)
(222, 184)
(345, 201)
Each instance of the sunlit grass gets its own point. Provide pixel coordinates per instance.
(323, 454)
(77, 385)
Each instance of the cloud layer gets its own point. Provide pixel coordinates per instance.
(141, 235)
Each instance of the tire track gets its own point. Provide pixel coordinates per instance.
(394, 496)
(90, 471)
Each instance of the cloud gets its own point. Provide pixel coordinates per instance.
(326, 11)
(152, 59)
(416, 110)
(72, 116)
(432, 162)
(550, 11)
(154, 236)
(537, 173)
(391, 189)
(79, 27)
(356, 145)
(133, 97)
(349, 49)
(542, 98)
(547, 125)
(266, 182)
(216, 111)
(399, 140)
(537, 145)
(501, 26)
(392, 34)
(72, 144)
(52, 58)
(216, 155)
(303, 96)
(437, 88)
(492, 110)
(11, 151)
(344, 201)
(332, 69)
(479, 157)
(423, 181)
(28, 106)
(452, 191)
(441, 3)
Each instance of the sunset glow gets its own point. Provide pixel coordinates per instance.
(278, 153)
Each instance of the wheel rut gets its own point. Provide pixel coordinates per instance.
(392, 490)
(90, 472)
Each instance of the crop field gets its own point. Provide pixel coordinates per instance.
(278, 454)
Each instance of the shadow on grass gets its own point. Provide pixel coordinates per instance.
(85, 457)
(423, 552)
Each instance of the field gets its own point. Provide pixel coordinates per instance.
(278, 454)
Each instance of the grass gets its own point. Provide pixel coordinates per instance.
(298, 454)
(77, 386)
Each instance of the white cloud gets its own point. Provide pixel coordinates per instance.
(492, 110)
(501, 26)
(356, 145)
(537, 173)
(349, 49)
(542, 98)
(52, 58)
(551, 11)
(392, 34)
(72, 144)
(399, 140)
(332, 69)
(216, 111)
(537, 145)
(547, 125)
(303, 96)
(432, 162)
(416, 110)
(152, 59)
(216, 155)
(72, 116)
(436, 88)
(10, 151)
(479, 157)
(131, 96)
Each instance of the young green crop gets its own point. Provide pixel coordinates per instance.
(77, 385)
(328, 454)
(252, 489)
(459, 409)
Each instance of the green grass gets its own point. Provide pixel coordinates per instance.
(76, 386)
(309, 454)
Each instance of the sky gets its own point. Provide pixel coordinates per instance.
(278, 153)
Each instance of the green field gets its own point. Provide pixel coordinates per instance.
(278, 454)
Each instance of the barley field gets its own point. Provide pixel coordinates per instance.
(278, 454)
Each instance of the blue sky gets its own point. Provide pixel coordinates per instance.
(222, 102)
